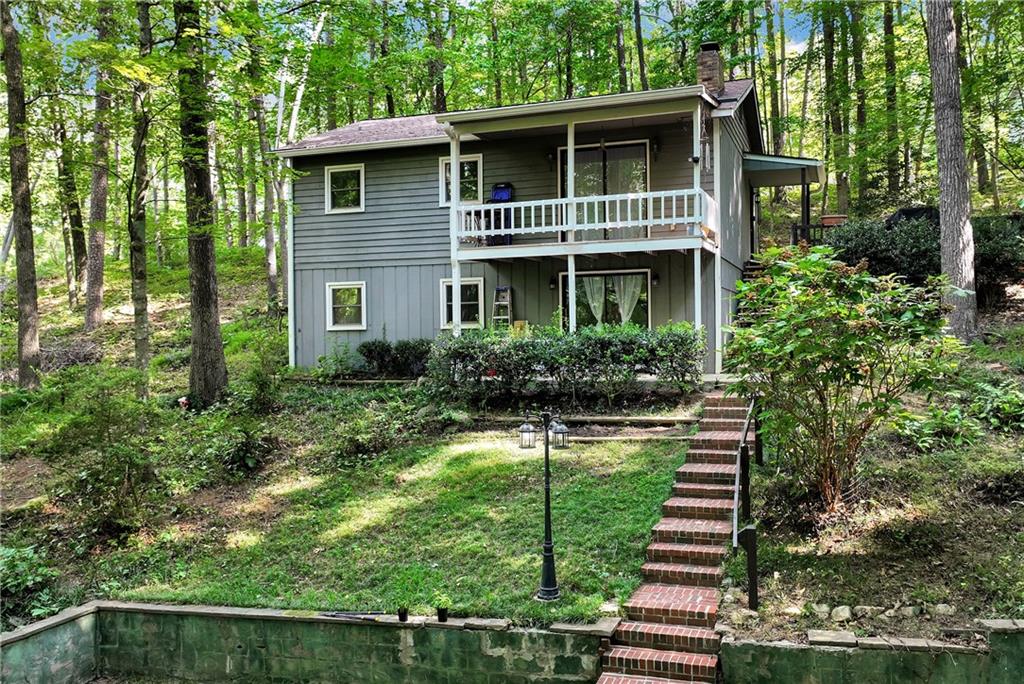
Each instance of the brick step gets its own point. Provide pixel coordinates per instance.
(715, 455)
(690, 531)
(673, 604)
(703, 490)
(719, 399)
(719, 439)
(733, 412)
(619, 678)
(682, 573)
(696, 507)
(722, 424)
(668, 637)
(709, 473)
(654, 663)
(696, 554)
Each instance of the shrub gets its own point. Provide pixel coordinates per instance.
(25, 576)
(911, 249)
(379, 355)
(260, 389)
(410, 357)
(831, 350)
(678, 356)
(614, 356)
(996, 402)
(338, 365)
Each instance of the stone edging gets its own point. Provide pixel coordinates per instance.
(603, 628)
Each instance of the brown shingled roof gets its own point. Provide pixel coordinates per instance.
(412, 130)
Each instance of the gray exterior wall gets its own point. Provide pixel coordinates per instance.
(400, 244)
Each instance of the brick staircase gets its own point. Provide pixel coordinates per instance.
(668, 635)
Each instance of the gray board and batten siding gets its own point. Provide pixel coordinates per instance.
(399, 245)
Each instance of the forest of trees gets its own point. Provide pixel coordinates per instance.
(144, 130)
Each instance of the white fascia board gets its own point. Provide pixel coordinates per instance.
(288, 153)
(566, 106)
(579, 248)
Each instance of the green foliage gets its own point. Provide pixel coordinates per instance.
(831, 350)
(380, 426)
(25, 580)
(379, 355)
(911, 249)
(410, 357)
(996, 402)
(484, 365)
(259, 392)
(940, 428)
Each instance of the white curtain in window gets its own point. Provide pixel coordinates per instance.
(627, 292)
(594, 289)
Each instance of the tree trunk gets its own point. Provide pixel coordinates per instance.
(241, 201)
(783, 80)
(21, 205)
(300, 87)
(115, 222)
(860, 88)
(892, 143)
(495, 54)
(775, 121)
(436, 64)
(69, 261)
(208, 375)
(222, 191)
(806, 89)
(68, 189)
(385, 50)
(956, 234)
(137, 207)
(269, 251)
(332, 90)
(620, 47)
(641, 61)
(251, 171)
(835, 119)
(100, 178)
(843, 108)
(569, 85)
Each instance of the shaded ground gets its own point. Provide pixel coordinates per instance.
(22, 480)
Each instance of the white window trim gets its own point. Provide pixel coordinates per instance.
(563, 275)
(441, 161)
(361, 284)
(362, 188)
(479, 282)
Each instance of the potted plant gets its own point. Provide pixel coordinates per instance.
(442, 603)
(403, 614)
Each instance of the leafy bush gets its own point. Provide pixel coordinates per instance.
(941, 428)
(678, 355)
(380, 426)
(338, 365)
(410, 357)
(996, 402)
(379, 355)
(260, 389)
(831, 350)
(482, 365)
(911, 249)
(25, 577)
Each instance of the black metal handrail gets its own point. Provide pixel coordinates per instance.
(747, 537)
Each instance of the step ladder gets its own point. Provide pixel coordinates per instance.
(501, 307)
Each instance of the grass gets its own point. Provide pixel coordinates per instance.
(333, 520)
(463, 517)
(943, 526)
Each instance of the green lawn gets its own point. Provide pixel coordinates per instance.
(463, 517)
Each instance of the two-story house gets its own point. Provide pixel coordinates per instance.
(630, 207)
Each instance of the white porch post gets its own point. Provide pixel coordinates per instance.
(570, 193)
(718, 311)
(289, 191)
(698, 298)
(696, 168)
(454, 234)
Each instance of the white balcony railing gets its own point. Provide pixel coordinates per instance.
(598, 217)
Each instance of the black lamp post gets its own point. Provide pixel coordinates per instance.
(557, 435)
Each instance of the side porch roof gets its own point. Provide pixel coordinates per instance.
(766, 170)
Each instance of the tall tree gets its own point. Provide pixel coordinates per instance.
(805, 98)
(385, 50)
(956, 233)
(208, 375)
(641, 59)
(620, 48)
(494, 48)
(833, 98)
(137, 186)
(100, 178)
(892, 143)
(68, 190)
(860, 89)
(773, 78)
(436, 63)
(21, 201)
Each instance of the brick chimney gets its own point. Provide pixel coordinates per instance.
(710, 69)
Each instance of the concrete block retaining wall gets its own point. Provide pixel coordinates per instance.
(187, 643)
(881, 661)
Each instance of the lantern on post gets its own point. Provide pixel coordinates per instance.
(527, 435)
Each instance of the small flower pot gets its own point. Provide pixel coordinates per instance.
(442, 614)
(403, 614)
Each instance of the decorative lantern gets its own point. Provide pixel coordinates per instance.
(527, 436)
(559, 435)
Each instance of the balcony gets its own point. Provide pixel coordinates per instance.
(595, 224)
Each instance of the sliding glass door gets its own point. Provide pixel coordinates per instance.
(608, 169)
(609, 298)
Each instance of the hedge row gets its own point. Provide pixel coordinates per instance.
(483, 365)
(911, 248)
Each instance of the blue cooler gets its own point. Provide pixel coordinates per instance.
(501, 193)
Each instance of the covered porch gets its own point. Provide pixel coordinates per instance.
(766, 171)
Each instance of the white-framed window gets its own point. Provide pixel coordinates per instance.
(346, 305)
(472, 302)
(344, 188)
(471, 179)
